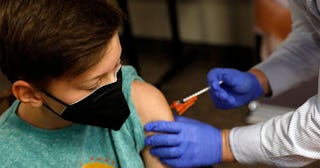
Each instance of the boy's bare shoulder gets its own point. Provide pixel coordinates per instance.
(150, 103)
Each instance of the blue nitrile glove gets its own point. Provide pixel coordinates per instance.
(237, 88)
(185, 142)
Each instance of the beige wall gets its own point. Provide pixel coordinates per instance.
(201, 21)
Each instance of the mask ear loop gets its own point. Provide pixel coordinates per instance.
(48, 107)
(56, 99)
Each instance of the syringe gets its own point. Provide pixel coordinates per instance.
(184, 104)
(195, 94)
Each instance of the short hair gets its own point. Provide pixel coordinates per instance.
(45, 39)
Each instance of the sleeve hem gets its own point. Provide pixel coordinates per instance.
(245, 144)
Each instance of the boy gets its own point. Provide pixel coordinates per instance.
(76, 106)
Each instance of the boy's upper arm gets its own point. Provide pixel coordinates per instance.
(151, 105)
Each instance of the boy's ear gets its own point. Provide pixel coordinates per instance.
(26, 93)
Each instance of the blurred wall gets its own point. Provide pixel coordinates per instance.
(226, 22)
(4, 83)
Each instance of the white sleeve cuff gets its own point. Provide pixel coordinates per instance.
(245, 144)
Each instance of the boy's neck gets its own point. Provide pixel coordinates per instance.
(41, 118)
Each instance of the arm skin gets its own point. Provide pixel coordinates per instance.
(262, 78)
(151, 105)
(227, 155)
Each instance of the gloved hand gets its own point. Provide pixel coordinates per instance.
(237, 88)
(185, 142)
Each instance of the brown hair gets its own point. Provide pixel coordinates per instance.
(45, 39)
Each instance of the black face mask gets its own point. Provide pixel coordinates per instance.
(106, 107)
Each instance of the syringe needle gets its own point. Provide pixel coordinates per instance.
(196, 94)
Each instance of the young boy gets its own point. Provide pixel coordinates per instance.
(76, 105)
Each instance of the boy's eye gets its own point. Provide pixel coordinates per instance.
(94, 86)
(91, 89)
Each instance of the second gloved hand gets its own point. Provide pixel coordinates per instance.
(237, 88)
(185, 142)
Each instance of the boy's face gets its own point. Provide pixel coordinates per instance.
(71, 91)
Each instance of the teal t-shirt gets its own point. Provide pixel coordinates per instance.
(83, 146)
